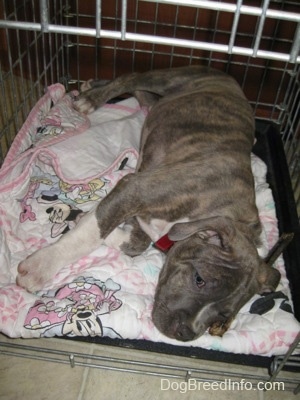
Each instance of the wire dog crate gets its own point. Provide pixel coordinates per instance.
(68, 41)
(257, 42)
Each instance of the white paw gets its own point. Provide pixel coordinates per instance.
(39, 269)
(84, 106)
(86, 85)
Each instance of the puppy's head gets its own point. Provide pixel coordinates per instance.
(209, 274)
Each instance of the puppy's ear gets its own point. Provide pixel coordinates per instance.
(216, 230)
(268, 278)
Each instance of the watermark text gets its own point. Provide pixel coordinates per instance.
(193, 385)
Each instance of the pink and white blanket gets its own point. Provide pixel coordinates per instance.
(59, 165)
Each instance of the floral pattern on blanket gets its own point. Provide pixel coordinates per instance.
(48, 181)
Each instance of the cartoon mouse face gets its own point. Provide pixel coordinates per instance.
(77, 309)
(84, 323)
(58, 213)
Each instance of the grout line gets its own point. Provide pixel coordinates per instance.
(261, 395)
(85, 376)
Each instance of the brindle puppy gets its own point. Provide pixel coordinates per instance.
(194, 182)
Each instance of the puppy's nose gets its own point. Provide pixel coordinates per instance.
(184, 333)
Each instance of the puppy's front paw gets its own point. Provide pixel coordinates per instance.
(220, 327)
(38, 269)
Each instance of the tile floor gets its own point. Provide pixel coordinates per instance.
(29, 379)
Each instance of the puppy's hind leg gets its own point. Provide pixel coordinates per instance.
(93, 98)
(155, 83)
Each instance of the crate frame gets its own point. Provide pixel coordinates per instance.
(40, 46)
(54, 30)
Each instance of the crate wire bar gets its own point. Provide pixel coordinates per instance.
(171, 370)
(46, 27)
(289, 359)
(68, 41)
(60, 34)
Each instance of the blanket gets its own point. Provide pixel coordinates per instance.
(60, 165)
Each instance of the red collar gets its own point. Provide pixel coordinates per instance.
(164, 243)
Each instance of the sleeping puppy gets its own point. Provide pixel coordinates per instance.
(199, 132)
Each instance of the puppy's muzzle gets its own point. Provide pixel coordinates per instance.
(174, 325)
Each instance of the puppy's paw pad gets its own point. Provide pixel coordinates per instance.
(22, 269)
(30, 275)
(29, 284)
(86, 85)
(37, 269)
(84, 106)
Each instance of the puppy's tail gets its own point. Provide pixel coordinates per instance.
(278, 248)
